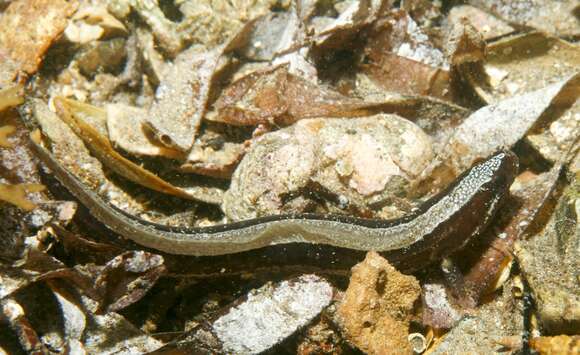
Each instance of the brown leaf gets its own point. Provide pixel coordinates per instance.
(559, 18)
(127, 278)
(276, 96)
(493, 251)
(72, 113)
(83, 250)
(29, 27)
(110, 332)
(523, 63)
(181, 98)
(406, 76)
(399, 57)
(11, 96)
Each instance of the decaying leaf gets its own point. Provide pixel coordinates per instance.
(399, 57)
(488, 261)
(263, 319)
(127, 278)
(527, 62)
(503, 124)
(555, 17)
(125, 128)
(16, 194)
(276, 96)
(555, 288)
(10, 97)
(99, 145)
(181, 99)
(30, 27)
(87, 331)
(80, 249)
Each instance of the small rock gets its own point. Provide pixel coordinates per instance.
(438, 310)
(102, 56)
(479, 332)
(377, 306)
(328, 165)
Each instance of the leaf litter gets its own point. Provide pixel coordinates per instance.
(176, 111)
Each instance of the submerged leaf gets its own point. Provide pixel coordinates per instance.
(555, 17)
(10, 97)
(16, 194)
(276, 96)
(5, 132)
(127, 278)
(71, 112)
(503, 124)
(126, 131)
(30, 27)
(399, 57)
(260, 321)
(527, 62)
(181, 98)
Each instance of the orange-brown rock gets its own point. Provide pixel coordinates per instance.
(377, 307)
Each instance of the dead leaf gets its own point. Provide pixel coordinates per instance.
(527, 62)
(72, 112)
(399, 57)
(126, 131)
(10, 97)
(276, 96)
(181, 98)
(503, 124)
(16, 194)
(127, 278)
(29, 27)
(555, 17)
